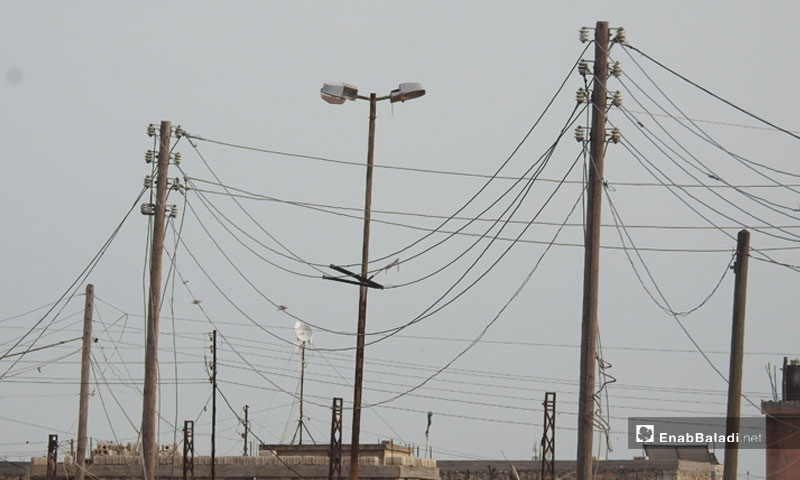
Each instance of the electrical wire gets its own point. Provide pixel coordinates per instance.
(488, 325)
(485, 185)
(704, 169)
(727, 102)
(73, 287)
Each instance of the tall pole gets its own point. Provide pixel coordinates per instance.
(302, 381)
(83, 403)
(362, 296)
(149, 446)
(214, 405)
(737, 352)
(335, 447)
(592, 254)
(244, 435)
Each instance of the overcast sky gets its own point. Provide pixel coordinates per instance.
(81, 82)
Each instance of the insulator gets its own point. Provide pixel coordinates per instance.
(151, 130)
(616, 100)
(583, 68)
(176, 184)
(584, 34)
(616, 135)
(178, 158)
(179, 131)
(620, 38)
(616, 69)
(173, 211)
(580, 134)
(148, 181)
(148, 209)
(581, 95)
(148, 156)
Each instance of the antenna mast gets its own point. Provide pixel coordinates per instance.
(304, 336)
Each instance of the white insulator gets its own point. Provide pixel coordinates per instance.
(616, 99)
(148, 209)
(583, 68)
(616, 135)
(179, 131)
(620, 38)
(148, 156)
(580, 134)
(148, 181)
(178, 158)
(581, 95)
(616, 69)
(173, 211)
(151, 130)
(584, 34)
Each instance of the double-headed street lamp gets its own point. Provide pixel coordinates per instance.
(337, 93)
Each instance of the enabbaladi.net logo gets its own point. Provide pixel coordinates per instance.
(674, 431)
(645, 433)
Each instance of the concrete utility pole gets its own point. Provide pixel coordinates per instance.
(214, 405)
(591, 260)
(149, 445)
(737, 353)
(83, 403)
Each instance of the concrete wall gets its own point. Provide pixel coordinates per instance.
(565, 470)
(783, 439)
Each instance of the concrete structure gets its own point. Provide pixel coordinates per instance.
(639, 469)
(783, 427)
(384, 461)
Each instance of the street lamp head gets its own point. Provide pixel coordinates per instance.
(337, 93)
(406, 91)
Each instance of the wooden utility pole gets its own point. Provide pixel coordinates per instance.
(362, 295)
(149, 445)
(83, 402)
(737, 353)
(214, 405)
(244, 435)
(592, 254)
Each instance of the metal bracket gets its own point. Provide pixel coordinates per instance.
(359, 280)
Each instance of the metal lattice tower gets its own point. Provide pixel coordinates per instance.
(335, 453)
(52, 457)
(188, 450)
(549, 437)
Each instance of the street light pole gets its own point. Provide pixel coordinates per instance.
(362, 296)
(337, 94)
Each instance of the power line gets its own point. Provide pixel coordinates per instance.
(326, 208)
(730, 104)
(73, 286)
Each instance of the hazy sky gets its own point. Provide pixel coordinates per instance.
(81, 82)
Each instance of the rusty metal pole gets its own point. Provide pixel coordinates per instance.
(549, 437)
(244, 435)
(592, 255)
(737, 353)
(149, 446)
(214, 405)
(362, 296)
(83, 402)
(52, 458)
(335, 448)
(188, 450)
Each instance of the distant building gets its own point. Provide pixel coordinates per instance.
(783, 427)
